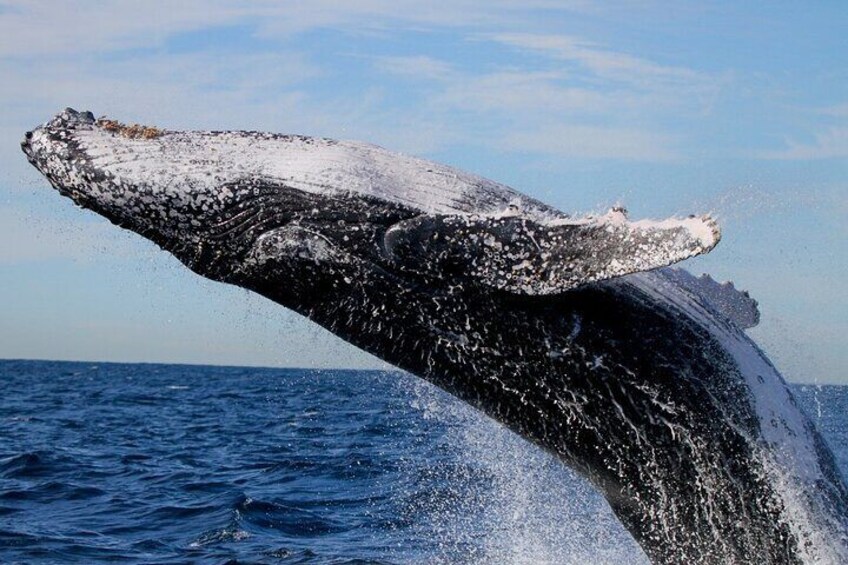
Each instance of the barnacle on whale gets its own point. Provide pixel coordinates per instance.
(131, 131)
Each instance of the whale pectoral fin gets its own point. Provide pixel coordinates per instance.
(523, 256)
(294, 242)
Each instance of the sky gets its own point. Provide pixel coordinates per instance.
(739, 109)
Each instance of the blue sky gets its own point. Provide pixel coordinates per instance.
(667, 108)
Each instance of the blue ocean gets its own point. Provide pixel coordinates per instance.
(142, 463)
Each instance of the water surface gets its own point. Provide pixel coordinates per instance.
(141, 463)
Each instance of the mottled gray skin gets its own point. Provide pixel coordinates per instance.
(632, 393)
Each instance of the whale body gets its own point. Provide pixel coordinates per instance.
(573, 332)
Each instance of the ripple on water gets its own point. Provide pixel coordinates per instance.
(180, 464)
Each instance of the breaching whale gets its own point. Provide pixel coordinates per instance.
(573, 332)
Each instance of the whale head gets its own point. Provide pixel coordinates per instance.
(203, 196)
(306, 214)
(114, 170)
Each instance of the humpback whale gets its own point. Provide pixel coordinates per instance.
(575, 332)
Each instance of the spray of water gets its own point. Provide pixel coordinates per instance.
(510, 502)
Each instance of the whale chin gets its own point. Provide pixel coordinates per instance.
(573, 332)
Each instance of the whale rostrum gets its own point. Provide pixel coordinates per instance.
(574, 332)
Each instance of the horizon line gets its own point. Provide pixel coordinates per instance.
(190, 364)
(391, 368)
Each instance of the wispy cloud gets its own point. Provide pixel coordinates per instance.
(515, 90)
(606, 63)
(594, 142)
(288, 17)
(838, 111)
(42, 27)
(832, 143)
(576, 86)
(608, 105)
(172, 82)
(45, 26)
(418, 67)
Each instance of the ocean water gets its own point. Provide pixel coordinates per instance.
(137, 463)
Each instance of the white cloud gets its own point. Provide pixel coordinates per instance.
(543, 111)
(368, 16)
(170, 85)
(831, 143)
(418, 67)
(839, 110)
(38, 27)
(510, 91)
(31, 27)
(605, 63)
(46, 69)
(578, 99)
(593, 142)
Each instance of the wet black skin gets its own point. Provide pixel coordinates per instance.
(632, 394)
(595, 375)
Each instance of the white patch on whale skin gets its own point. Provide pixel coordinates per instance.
(192, 161)
(787, 448)
(294, 242)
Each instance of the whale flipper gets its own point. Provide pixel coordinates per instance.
(525, 256)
